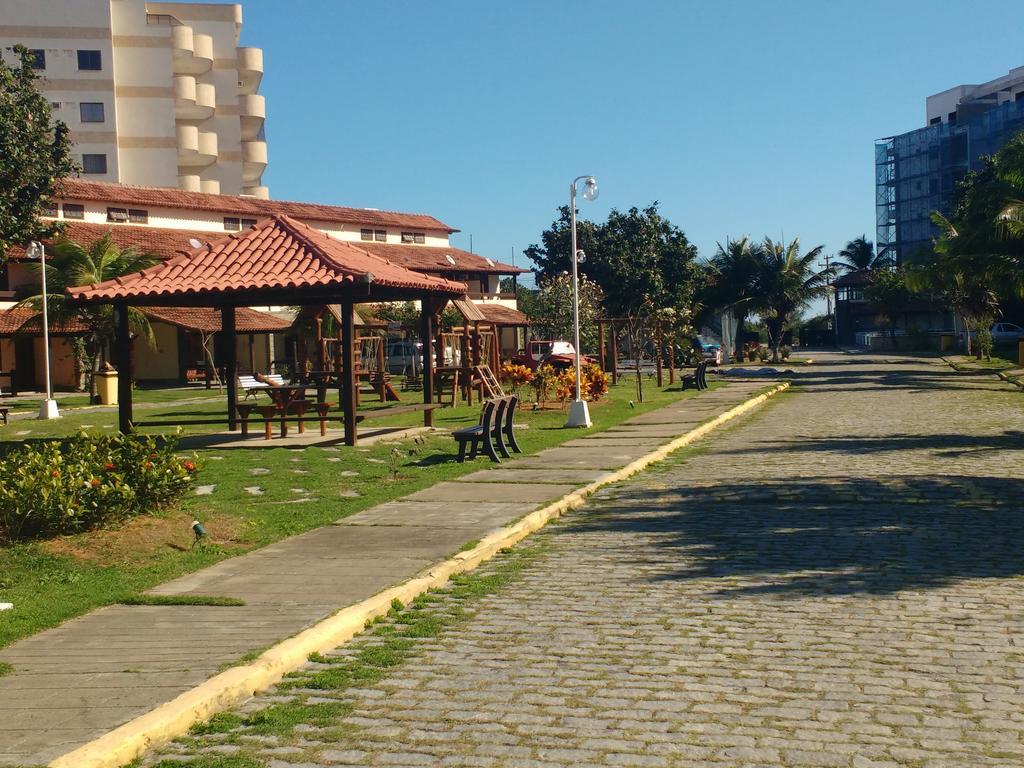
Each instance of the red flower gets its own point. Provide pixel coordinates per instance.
(108, 466)
(148, 465)
(55, 473)
(190, 466)
(95, 482)
(152, 455)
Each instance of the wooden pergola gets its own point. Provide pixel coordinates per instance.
(278, 262)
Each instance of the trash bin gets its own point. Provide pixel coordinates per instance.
(946, 341)
(106, 386)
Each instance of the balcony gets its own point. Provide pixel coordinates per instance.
(210, 186)
(254, 161)
(263, 193)
(192, 54)
(196, 148)
(192, 100)
(190, 182)
(252, 109)
(250, 69)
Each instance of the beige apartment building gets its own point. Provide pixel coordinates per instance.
(155, 94)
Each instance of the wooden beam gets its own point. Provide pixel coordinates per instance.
(350, 382)
(123, 358)
(614, 354)
(427, 334)
(600, 345)
(230, 345)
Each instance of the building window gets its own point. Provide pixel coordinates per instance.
(247, 223)
(118, 215)
(74, 211)
(935, 120)
(94, 163)
(138, 216)
(414, 237)
(38, 58)
(91, 111)
(50, 209)
(54, 105)
(232, 224)
(366, 234)
(380, 235)
(90, 60)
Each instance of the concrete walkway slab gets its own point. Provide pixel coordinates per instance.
(92, 674)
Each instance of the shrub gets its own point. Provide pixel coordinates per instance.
(515, 375)
(543, 379)
(62, 487)
(983, 337)
(785, 351)
(565, 386)
(597, 381)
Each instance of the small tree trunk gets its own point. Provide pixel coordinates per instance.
(741, 321)
(967, 335)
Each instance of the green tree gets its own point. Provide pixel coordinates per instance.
(34, 151)
(69, 264)
(786, 282)
(550, 310)
(889, 292)
(859, 255)
(734, 286)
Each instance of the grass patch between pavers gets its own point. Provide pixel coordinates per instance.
(365, 660)
(5, 668)
(212, 600)
(299, 489)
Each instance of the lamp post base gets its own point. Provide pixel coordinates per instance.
(48, 410)
(579, 414)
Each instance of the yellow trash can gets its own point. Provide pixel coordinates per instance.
(106, 386)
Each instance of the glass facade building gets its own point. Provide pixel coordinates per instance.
(917, 172)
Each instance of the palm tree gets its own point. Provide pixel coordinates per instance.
(859, 254)
(70, 264)
(786, 282)
(736, 265)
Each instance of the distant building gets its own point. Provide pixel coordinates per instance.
(917, 172)
(167, 221)
(158, 94)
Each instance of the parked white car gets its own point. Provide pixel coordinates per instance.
(1006, 333)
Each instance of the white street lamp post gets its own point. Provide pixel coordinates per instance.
(48, 408)
(579, 414)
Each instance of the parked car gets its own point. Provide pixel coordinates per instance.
(404, 356)
(711, 351)
(558, 354)
(1006, 333)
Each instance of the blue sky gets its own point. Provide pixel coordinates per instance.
(738, 116)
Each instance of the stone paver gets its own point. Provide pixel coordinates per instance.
(119, 662)
(836, 580)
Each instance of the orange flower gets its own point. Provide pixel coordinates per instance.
(108, 466)
(95, 482)
(55, 473)
(190, 466)
(148, 465)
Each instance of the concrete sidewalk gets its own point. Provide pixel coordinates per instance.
(78, 681)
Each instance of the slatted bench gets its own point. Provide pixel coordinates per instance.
(252, 386)
(494, 433)
(698, 378)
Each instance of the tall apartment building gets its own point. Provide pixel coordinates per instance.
(917, 172)
(156, 94)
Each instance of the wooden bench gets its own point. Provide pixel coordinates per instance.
(480, 434)
(698, 378)
(252, 386)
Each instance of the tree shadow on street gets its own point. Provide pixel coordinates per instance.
(819, 536)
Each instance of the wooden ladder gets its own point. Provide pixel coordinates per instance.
(492, 387)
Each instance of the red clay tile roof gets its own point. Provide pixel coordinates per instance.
(428, 258)
(165, 197)
(499, 314)
(205, 319)
(160, 241)
(279, 253)
(27, 320)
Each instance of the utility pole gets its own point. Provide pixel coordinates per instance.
(828, 293)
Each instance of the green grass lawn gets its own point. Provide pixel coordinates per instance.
(1001, 360)
(68, 402)
(260, 495)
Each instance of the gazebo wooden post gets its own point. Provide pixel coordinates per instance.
(672, 358)
(477, 360)
(600, 344)
(614, 352)
(427, 334)
(230, 344)
(252, 354)
(123, 357)
(660, 340)
(350, 383)
(464, 380)
(381, 384)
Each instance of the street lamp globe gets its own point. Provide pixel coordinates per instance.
(590, 190)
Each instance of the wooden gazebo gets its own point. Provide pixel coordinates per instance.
(280, 262)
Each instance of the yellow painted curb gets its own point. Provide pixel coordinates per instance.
(175, 717)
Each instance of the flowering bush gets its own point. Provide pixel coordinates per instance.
(515, 375)
(565, 386)
(597, 381)
(64, 487)
(543, 379)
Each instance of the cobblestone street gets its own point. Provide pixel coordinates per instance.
(833, 580)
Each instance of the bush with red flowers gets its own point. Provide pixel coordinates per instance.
(60, 487)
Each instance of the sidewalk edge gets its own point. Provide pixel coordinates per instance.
(175, 717)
